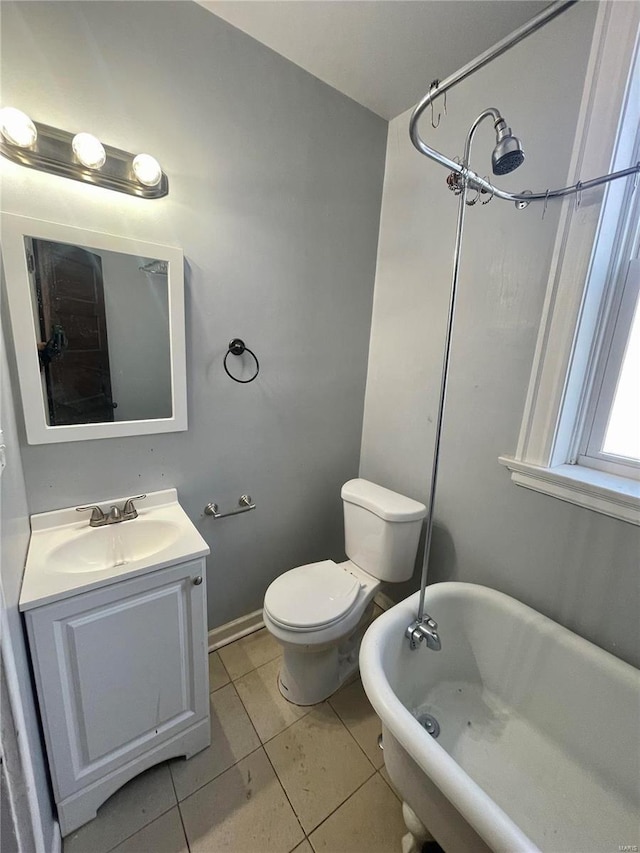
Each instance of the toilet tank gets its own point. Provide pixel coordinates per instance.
(381, 530)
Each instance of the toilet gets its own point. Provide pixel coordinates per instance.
(320, 611)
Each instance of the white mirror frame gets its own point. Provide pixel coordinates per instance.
(23, 323)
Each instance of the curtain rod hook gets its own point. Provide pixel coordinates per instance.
(486, 201)
(434, 85)
(546, 201)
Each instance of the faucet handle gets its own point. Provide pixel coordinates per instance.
(129, 508)
(97, 514)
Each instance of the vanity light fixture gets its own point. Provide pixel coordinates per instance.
(17, 128)
(80, 156)
(89, 150)
(147, 170)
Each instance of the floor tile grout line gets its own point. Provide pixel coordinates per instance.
(218, 775)
(221, 663)
(374, 771)
(326, 701)
(148, 823)
(275, 772)
(246, 710)
(335, 710)
(220, 686)
(388, 784)
(239, 640)
(288, 726)
(271, 660)
(351, 733)
(346, 800)
(184, 828)
(284, 791)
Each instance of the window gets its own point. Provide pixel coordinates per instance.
(611, 441)
(580, 435)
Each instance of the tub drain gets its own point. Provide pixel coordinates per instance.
(430, 724)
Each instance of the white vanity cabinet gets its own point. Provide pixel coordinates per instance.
(122, 679)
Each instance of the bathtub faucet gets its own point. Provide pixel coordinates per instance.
(424, 629)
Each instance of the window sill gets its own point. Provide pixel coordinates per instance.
(618, 497)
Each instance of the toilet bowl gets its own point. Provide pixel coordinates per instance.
(320, 611)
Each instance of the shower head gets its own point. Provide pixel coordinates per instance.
(508, 153)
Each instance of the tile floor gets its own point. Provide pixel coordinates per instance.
(277, 778)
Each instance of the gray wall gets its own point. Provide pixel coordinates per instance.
(24, 759)
(275, 187)
(578, 567)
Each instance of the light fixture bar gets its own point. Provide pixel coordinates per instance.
(52, 152)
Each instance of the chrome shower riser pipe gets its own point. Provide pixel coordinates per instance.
(474, 180)
(442, 398)
(491, 112)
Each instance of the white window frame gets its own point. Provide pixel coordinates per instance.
(574, 321)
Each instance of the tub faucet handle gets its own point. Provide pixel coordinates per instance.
(423, 629)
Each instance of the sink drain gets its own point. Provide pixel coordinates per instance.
(428, 722)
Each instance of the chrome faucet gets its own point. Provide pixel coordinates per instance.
(115, 514)
(425, 629)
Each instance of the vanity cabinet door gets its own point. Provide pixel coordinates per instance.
(120, 670)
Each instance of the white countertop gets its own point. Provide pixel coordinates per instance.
(49, 577)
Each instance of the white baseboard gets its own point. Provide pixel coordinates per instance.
(383, 601)
(225, 634)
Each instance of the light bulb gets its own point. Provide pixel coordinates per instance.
(89, 150)
(17, 128)
(147, 170)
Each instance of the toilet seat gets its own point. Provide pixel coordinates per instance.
(312, 596)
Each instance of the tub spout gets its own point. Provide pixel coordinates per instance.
(427, 629)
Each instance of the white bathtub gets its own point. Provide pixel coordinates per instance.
(540, 730)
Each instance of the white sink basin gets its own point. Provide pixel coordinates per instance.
(67, 556)
(99, 548)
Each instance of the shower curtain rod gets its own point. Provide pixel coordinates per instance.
(424, 628)
(472, 179)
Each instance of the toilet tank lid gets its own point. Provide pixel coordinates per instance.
(388, 505)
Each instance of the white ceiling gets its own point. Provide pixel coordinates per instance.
(381, 53)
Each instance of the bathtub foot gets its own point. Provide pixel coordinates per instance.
(418, 833)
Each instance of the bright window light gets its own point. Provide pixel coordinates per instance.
(622, 436)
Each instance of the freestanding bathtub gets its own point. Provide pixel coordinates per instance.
(539, 747)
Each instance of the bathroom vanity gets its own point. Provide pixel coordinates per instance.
(116, 618)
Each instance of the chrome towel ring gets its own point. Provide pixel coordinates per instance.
(237, 347)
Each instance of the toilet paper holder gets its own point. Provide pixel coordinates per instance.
(244, 505)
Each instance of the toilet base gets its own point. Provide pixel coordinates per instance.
(310, 674)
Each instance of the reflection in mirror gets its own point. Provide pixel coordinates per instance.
(104, 338)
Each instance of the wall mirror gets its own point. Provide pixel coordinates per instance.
(98, 328)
